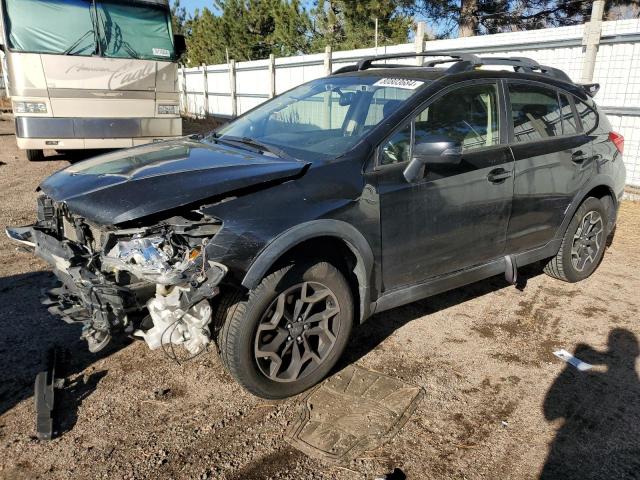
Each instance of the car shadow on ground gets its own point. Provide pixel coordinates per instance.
(375, 330)
(29, 331)
(599, 408)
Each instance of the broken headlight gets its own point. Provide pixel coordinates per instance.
(152, 258)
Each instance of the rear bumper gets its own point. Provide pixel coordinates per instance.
(96, 128)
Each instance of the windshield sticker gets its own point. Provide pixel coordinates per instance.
(405, 83)
(161, 52)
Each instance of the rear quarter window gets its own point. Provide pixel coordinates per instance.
(591, 119)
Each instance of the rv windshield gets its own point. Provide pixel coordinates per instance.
(83, 27)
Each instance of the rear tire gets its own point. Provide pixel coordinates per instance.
(583, 244)
(290, 332)
(35, 155)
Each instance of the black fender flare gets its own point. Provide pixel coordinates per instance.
(595, 182)
(313, 229)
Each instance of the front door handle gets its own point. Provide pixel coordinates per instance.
(498, 175)
(579, 156)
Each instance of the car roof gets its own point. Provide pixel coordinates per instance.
(466, 66)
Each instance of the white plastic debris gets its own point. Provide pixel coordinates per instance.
(172, 325)
(571, 360)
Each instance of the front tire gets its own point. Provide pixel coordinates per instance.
(290, 332)
(35, 155)
(583, 243)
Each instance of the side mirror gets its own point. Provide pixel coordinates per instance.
(439, 151)
(179, 44)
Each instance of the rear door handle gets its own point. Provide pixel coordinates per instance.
(498, 175)
(579, 156)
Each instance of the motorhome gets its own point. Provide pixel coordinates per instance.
(90, 74)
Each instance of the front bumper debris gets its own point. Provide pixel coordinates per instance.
(105, 302)
(21, 235)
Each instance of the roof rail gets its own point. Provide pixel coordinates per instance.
(366, 63)
(519, 64)
(463, 62)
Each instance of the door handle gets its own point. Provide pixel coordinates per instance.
(498, 175)
(579, 156)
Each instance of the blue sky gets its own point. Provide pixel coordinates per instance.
(191, 5)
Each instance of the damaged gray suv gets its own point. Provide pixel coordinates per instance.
(346, 196)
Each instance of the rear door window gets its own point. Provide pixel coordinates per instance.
(535, 112)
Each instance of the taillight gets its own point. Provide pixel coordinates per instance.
(618, 141)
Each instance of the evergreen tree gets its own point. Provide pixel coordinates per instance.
(178, 18)
(204, 41)
(248, 30)
(349, 24)
(473, 17)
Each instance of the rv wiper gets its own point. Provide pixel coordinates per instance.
(77, 42)
(130, 50)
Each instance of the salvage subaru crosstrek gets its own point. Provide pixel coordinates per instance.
(346, 196)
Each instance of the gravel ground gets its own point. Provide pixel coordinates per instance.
(498, 404)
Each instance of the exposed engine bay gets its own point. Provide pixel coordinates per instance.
(151, 282)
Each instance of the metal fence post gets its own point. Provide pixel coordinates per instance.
(205, 90)
(327, 109)
(327, 60)
(272, 75)
(419, 41)
(591, 40)
(232, 88)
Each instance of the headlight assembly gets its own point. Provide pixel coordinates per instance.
(168, 109)
(152, 258)
(29, 107)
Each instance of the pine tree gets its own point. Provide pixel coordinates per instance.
(349, 24)
(204, 41)
(179, 18)
(248, 30)
(474, 17)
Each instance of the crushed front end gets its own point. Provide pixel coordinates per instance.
(153, 282)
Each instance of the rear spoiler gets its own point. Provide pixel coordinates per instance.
(590, 89)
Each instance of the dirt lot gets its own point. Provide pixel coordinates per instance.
(498, 404)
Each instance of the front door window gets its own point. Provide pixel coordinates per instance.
(467, 115)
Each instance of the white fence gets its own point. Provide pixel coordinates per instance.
(231, 89)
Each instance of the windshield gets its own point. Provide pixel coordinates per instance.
(83, 27)
(324, 118)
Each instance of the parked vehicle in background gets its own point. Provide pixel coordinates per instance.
(90, 74)
(346, 196)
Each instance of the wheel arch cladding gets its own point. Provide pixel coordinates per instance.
(315, 230)
(608, 198)
(599, 187)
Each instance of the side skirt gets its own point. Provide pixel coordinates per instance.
(460, 278)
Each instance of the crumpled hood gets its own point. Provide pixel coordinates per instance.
(134, 183)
